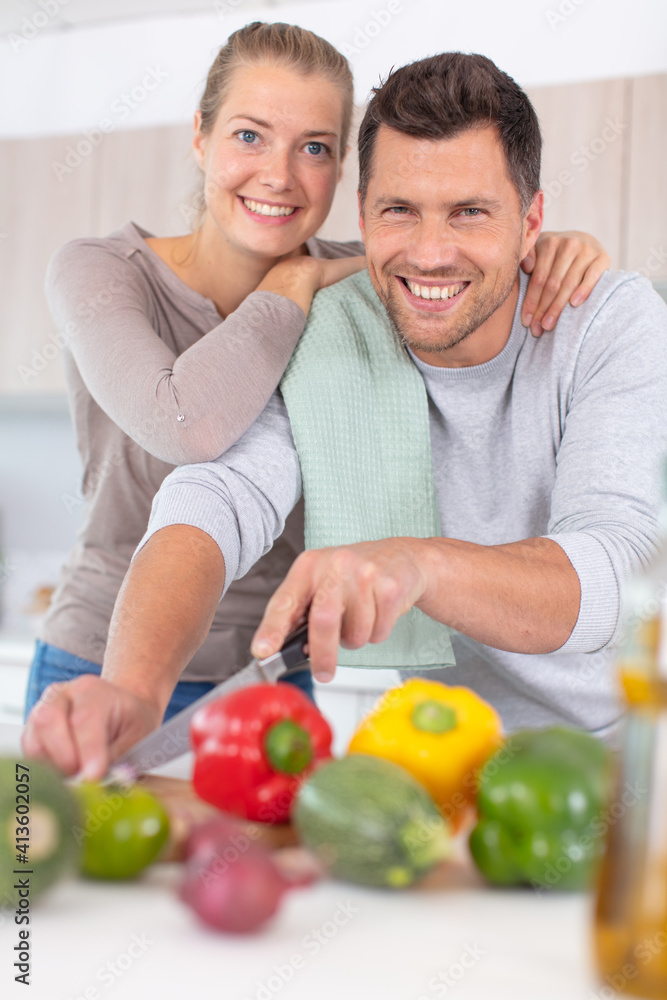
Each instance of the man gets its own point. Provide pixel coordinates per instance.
(544, 465)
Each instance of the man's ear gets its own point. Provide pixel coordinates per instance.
(532, 223)
(362, 228)
(198, 141)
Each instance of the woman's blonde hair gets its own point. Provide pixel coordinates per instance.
(283, 45)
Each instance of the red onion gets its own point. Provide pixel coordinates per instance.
(230, 882)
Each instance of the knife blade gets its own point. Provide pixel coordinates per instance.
(172, 739)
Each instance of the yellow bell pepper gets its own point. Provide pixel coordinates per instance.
(441, 735)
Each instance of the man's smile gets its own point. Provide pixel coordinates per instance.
(433, 296)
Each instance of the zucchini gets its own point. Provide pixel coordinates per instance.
(36, 791)
(369, 821)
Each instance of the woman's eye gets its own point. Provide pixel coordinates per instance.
(317, 148)
(247, 135)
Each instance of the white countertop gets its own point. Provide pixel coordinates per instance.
(334, 941)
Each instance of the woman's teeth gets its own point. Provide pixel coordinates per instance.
(260, 208)
(434, 291)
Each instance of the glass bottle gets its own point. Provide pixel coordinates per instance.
(630, 934)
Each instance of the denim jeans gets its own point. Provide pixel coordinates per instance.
(51, 664)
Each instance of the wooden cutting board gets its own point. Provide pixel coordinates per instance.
(186, 810)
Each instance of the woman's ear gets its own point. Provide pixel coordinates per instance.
(198, 141)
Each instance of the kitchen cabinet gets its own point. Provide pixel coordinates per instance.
(605, 152)
(54, 194)
(146, 175)
(646, 208)
(586, 130)
(39, 213)
(605, 157)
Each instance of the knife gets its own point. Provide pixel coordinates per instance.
(172, 740)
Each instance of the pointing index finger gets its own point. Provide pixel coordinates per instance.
(282, 615)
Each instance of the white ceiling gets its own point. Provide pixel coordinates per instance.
(80, 12)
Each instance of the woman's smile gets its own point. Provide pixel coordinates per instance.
(275, 213)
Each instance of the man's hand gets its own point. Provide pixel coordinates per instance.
(564, 267)
(163, 613)
(352, 595)
(522, 597)
(83, 725)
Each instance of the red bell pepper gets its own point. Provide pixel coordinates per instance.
(254, 747)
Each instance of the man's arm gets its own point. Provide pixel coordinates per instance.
(540, 594)
(522, 597)
(209, 524)
(162, 616)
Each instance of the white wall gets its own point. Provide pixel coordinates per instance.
(64, 81)
(40, 472)
(41, 510)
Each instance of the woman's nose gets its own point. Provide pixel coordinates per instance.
(277, 172)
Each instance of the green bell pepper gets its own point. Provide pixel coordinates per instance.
(541, 804)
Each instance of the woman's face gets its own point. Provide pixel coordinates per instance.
(272, 161)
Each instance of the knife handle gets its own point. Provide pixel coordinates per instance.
(292, 649)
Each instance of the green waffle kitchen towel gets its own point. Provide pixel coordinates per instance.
(359, 414)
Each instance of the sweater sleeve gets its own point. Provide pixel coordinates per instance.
(605, 503)
(187, 408)
(241, 499)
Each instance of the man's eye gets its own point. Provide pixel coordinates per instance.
(247, 135)
(472, 213)
(398, 210)
(317, 148)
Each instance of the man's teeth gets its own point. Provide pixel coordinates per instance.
(434, 291)
(262, 209)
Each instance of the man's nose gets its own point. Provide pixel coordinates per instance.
(277, 171)
(433, 245)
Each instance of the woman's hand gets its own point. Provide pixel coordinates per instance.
(298, 278)
(564, 267)
(331, 271)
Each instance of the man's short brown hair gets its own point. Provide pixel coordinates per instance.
(444, 95)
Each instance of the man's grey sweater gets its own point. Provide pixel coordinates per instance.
(559, 437)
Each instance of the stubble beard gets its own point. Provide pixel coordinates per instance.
(465, 325)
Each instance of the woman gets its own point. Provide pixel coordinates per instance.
(177, 343)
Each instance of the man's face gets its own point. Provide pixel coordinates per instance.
(444, 236)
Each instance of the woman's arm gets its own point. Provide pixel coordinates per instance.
(186, 408)
(193, 407)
